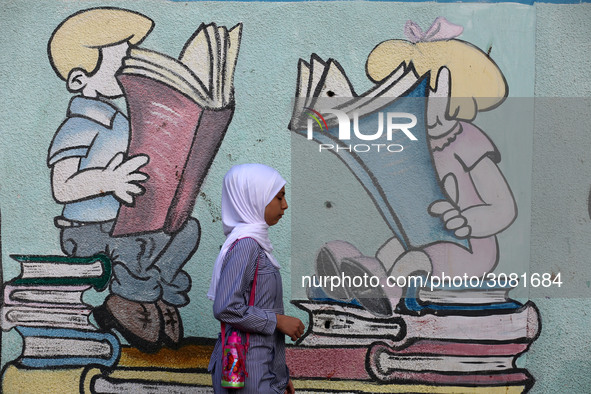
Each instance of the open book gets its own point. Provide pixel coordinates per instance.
(179, 112)
(402, 182)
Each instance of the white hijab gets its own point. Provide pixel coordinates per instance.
(247, 190)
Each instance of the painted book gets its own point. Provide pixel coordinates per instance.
(63, 270)
(488, 298)
(362, 387)
(194, 355)
(445, 357)
(20, 379)
(168, 381)
(45, 296)
(383, 367)
(91, 380)
(182, 370)
(339, 324)
(28, 316)
(333, 323)
(50, 347)
(520, 325)
(347, 363)
(167, 371)
(488, 293)
(488, 379)
(180, 110)
(424, 355)
(323, 88)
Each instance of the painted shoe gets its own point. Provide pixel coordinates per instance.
(328, 264)
(378, 298)
(172, 325)
(138, 322)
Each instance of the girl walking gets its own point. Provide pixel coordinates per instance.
(253, 199)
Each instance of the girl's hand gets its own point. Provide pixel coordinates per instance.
(289, 389)
(290, 326)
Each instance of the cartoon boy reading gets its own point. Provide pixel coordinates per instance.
(92, 175)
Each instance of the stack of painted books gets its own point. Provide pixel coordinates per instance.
(44, 304)
(64, 352)
(438, 340)
(182, 370)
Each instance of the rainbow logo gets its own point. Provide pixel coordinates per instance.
(315, 115)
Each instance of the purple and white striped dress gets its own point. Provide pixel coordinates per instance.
(265, 360)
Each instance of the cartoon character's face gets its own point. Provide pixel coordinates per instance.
(112, 59)
(103, 82)
(438, 123)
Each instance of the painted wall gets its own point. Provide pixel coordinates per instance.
(541, 51)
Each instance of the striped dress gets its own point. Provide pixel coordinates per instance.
(265, 360)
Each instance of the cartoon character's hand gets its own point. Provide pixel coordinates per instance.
(452, 218)
(123, 176)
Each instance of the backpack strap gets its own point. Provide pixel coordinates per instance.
(250, 301)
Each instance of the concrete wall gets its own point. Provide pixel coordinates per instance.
(541, 49)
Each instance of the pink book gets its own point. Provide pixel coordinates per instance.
(518, 377)
(327, 363)
(181, 138)
(472, 363)
(361, 363)
(454, 348)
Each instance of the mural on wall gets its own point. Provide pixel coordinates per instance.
(128, 188)
(129, 185)
(427, 334)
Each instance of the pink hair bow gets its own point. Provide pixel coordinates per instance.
(440, 30)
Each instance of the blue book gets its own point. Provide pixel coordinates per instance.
(317, 294)
(63, 347)
(402, 184)
(484, 299)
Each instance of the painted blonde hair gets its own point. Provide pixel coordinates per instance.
(77, 41)
(477, 83)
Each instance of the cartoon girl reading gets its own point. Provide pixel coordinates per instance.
(463, 81)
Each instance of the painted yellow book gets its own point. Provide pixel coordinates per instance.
(190, 356)
(348, 386)
(22, 380)
(89, 380)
